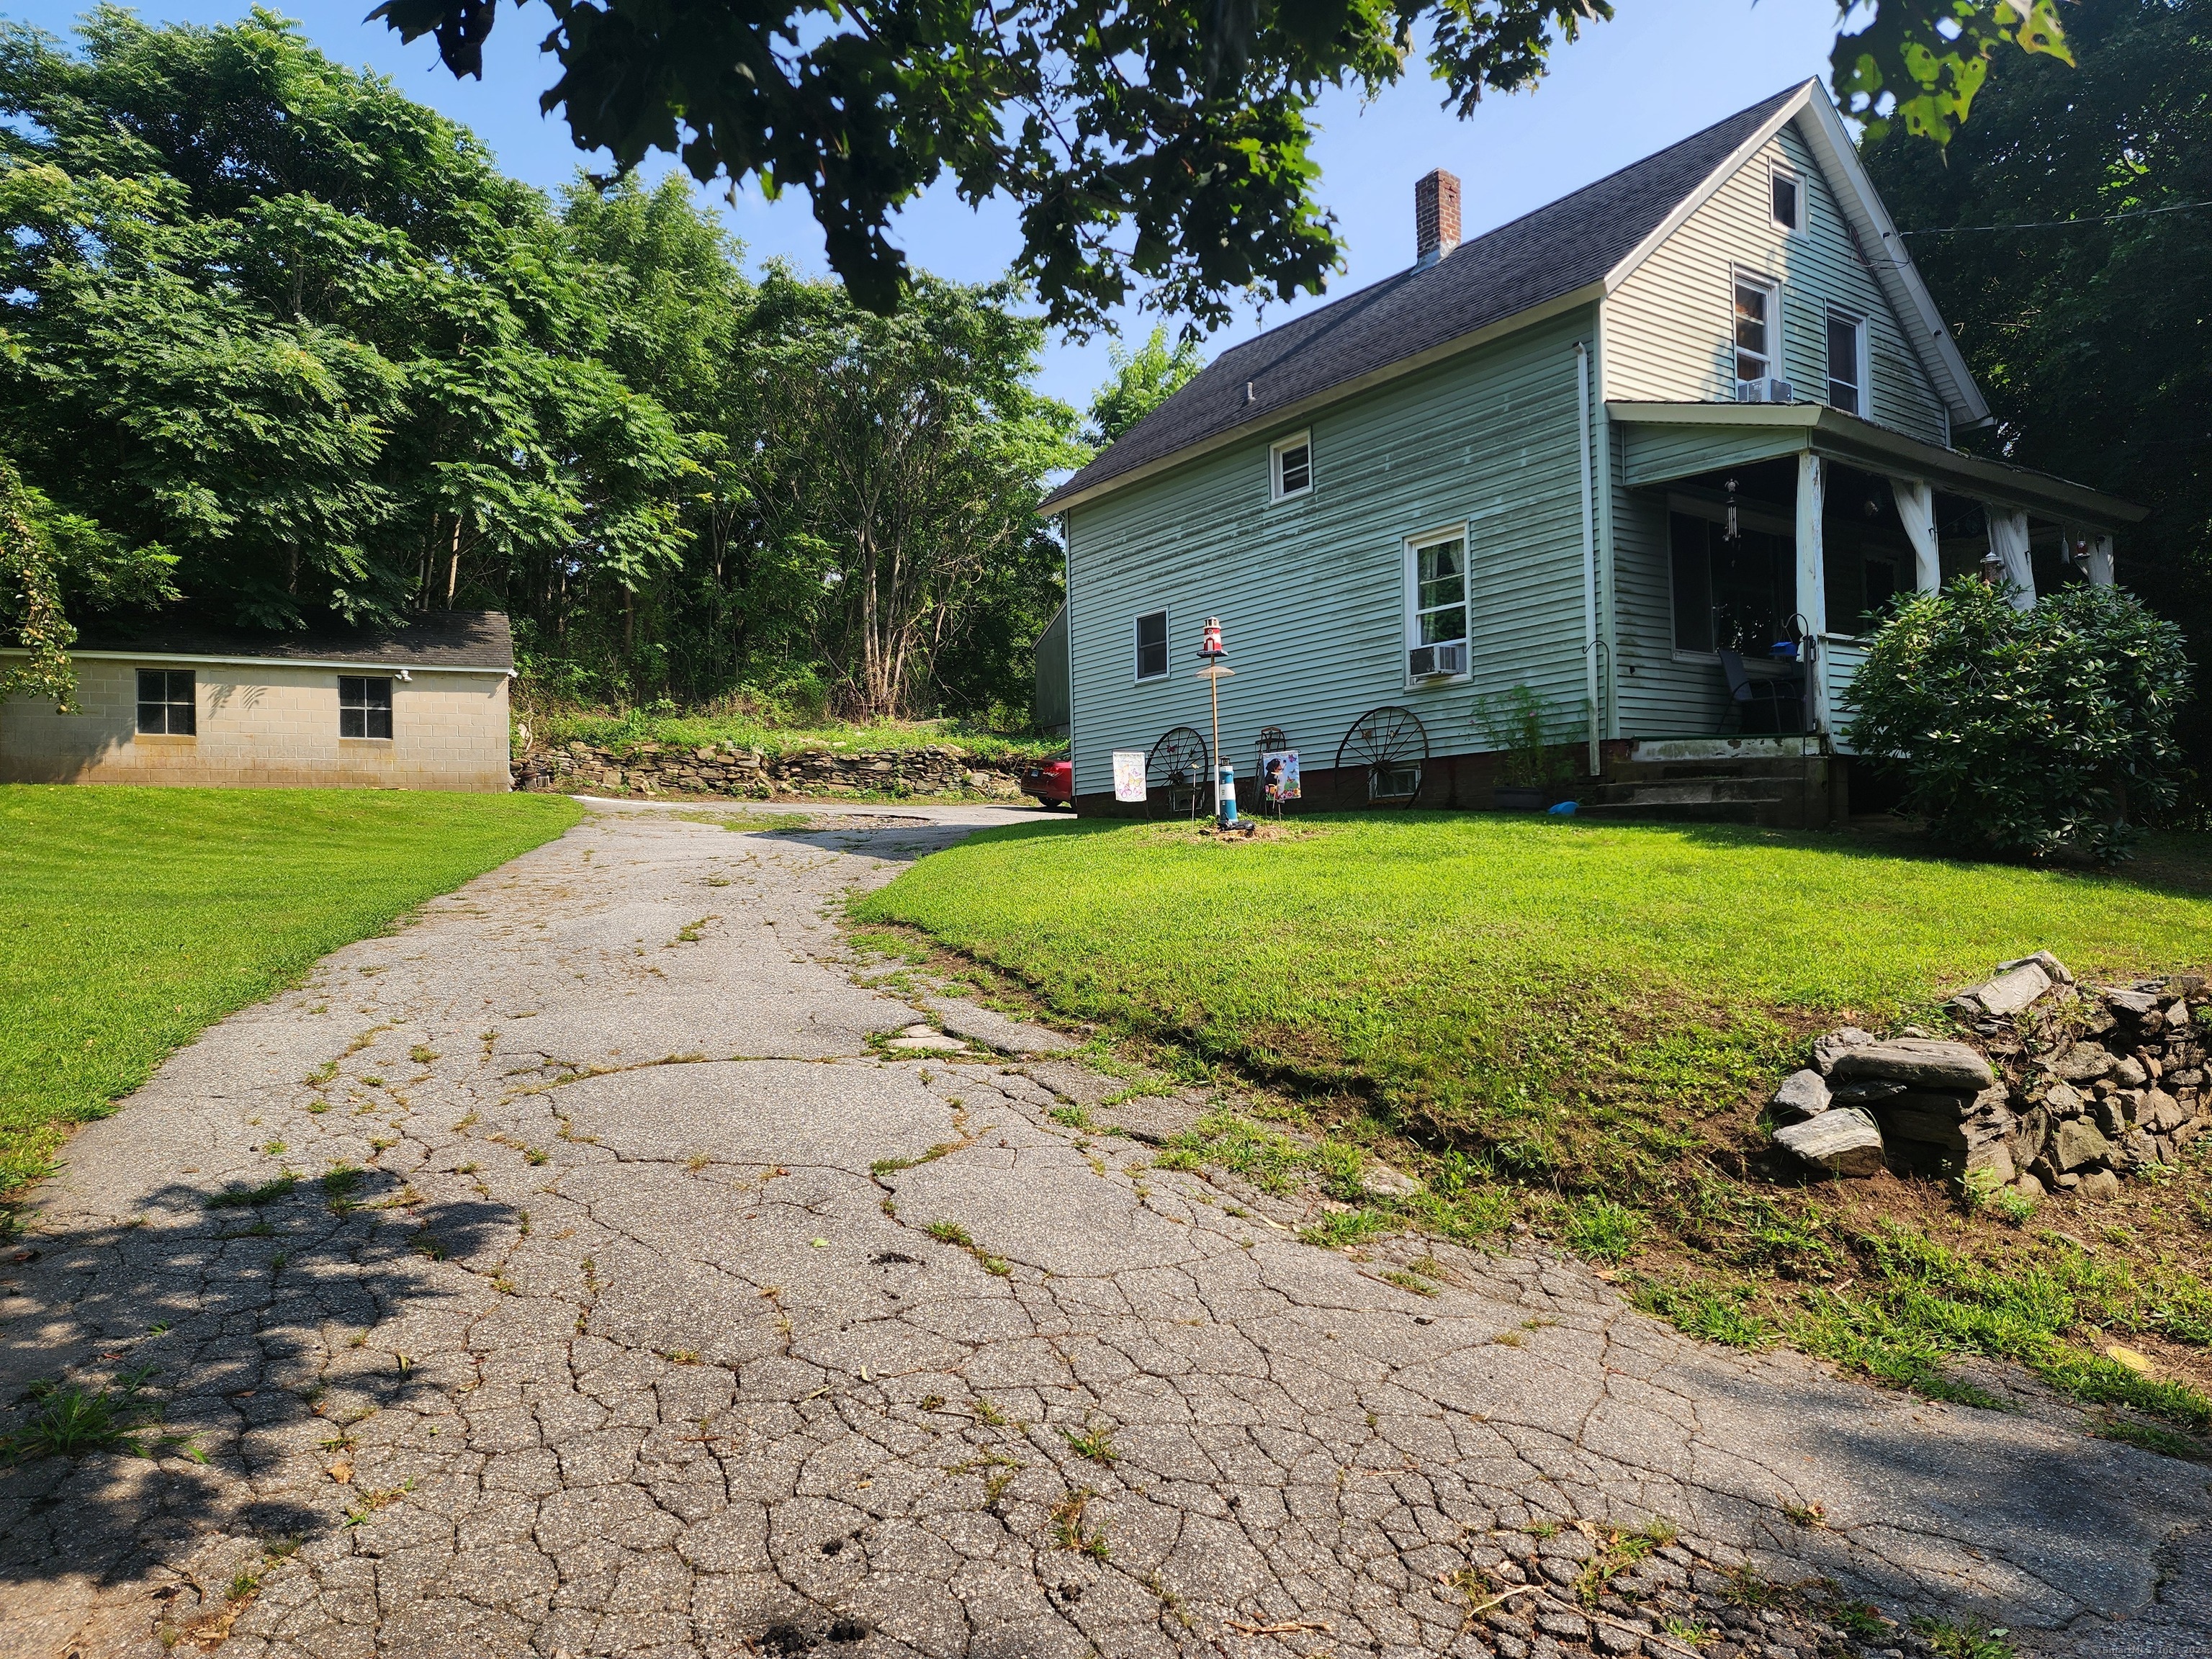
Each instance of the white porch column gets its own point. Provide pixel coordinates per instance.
(2100, 561)
(2008, 541)
(1916, 505)
(1812, 584)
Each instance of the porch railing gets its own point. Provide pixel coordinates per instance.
(1840, 656)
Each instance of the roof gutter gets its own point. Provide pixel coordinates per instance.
(1861, 443)
(404, 670)
(1588, 294)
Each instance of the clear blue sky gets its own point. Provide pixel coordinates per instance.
(1660, 69)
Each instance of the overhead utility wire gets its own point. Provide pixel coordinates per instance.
(2059, 224)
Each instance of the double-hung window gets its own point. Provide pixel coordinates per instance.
(364, 707)
(1152, 645)
(1847, 363)
(166, 700)
(1786, 198)
(1758, 330)
(1437, 627)
(1290, 465)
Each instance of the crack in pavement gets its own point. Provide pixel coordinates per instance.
(778, 1339)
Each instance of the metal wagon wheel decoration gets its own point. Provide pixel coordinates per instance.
(1175, 774)
(1392, 745)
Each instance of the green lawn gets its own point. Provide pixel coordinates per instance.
(1577, 1022)
(1535, 986)
(131, 918)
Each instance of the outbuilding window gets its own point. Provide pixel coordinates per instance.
(1152, 645)
(166, 698)
(1291, 463)
(364, 707)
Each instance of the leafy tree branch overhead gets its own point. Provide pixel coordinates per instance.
(1161, 144)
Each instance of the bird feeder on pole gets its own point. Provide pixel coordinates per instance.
(1212, 654)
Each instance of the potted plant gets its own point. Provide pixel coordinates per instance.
(1533, 768)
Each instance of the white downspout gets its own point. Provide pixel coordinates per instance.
(1590, 554)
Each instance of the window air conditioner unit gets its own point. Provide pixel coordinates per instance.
(1427, 662)
(1767, 389)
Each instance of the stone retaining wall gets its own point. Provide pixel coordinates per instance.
(652, 769)
(2065, 1088)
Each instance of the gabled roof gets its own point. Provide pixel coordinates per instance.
(1577, 249)
(478, 640)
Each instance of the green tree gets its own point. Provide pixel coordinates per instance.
(1166, 142)
(1142, 381)
(292, 341)
(2086, 326)
(902, 460)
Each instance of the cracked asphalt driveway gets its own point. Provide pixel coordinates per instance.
(671, 1312)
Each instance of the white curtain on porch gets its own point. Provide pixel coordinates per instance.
(2008, 541)
(1915, 505)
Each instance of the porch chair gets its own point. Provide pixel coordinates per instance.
(1763, 706)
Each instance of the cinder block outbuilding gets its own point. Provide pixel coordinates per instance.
(422, 706)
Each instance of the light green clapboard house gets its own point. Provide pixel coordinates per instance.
(1614, 451)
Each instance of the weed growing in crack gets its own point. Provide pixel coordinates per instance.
(990, 1415)
(71, 1421)
(1096, 1444)
(1807, 1515)
(1067, 1529)
(1406, 1281)
(950, 1232)
(340, 1182)
(1974, 1641)
(238, 1198)
(535, 1156)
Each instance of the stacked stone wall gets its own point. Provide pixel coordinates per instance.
(2049, 1086)
(652, 768)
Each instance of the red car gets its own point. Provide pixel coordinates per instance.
(1053, 782)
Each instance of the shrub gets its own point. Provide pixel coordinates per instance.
(2026, 733)
(1530, 736)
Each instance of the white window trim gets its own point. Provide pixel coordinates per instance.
(1291, 440)
(1776, 340)
(1411, 566)
(1137, 677)
(1864, 368)
(1783, 170)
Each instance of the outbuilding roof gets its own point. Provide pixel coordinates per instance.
(478, 640)
(1580, 245)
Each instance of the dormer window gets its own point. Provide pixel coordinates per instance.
(1290, 467)
(1786, 198)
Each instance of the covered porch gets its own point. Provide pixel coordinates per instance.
(1791, 529)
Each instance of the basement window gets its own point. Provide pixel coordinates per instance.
(364, 707)
(167, 698)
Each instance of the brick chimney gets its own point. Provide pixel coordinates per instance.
(1435, 218)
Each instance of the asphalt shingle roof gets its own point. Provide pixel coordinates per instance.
(440, 639)
(1554, 251)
